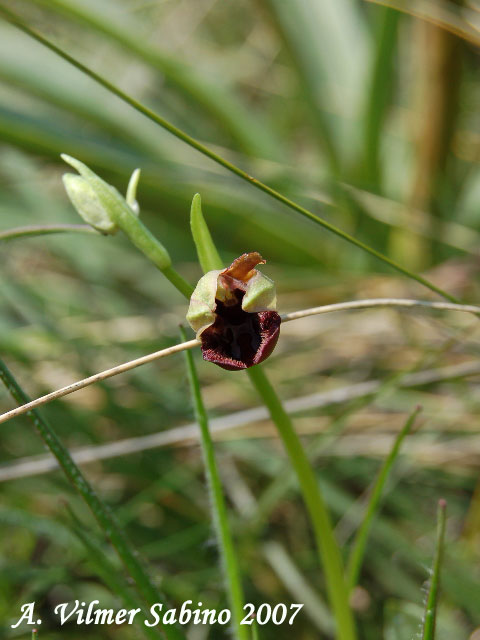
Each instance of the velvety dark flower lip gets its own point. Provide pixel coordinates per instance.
(233, 312)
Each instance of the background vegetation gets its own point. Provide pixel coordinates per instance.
(369, 117)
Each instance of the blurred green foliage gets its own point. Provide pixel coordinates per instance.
(367, 116)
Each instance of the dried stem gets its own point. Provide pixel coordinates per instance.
(295, 315)
(103, 375)
(380, 302)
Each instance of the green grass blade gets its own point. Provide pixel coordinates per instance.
(218, 505)
(17, 22)
(430, 615)
(379, 90)
(322, 528)
(101, 512)
(109, 573)
(360, 542)
(294, 21)
(207, 252)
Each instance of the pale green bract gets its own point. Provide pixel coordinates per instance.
(260, 295)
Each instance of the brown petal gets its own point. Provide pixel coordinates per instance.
(243, 268)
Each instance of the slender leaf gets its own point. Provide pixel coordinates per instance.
(101, 511)
(430, 615)
(360, 542)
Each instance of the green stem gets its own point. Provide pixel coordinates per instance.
(218, 506)
(358, 548)
(42, 230)
(192, 142)
(178, 282)
(322, 527)
(430, 615)
(101, 511)
(152, 249)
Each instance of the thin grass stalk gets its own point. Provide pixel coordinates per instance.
(192, 142)
(430, 614)
(357, 552)
(216, 100)
(102, 513)
(42, 230)
(217, 503)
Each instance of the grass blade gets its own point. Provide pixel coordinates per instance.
(185, 137)
(218, 505)
(109, 573)
(381, 81)
(430, 615)
(360, 542)
(102, 513)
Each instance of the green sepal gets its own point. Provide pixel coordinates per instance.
(201, 311)
(261, 294)
(208, 255)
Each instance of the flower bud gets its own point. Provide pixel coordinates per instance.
(98, 202)
(83, 197)
(233, 313)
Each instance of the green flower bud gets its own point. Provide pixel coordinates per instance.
(83, 197)
(100, 198)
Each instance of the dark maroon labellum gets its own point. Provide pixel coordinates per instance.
(238, 339)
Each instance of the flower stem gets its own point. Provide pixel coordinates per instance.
(327, 545)
(218, 506)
